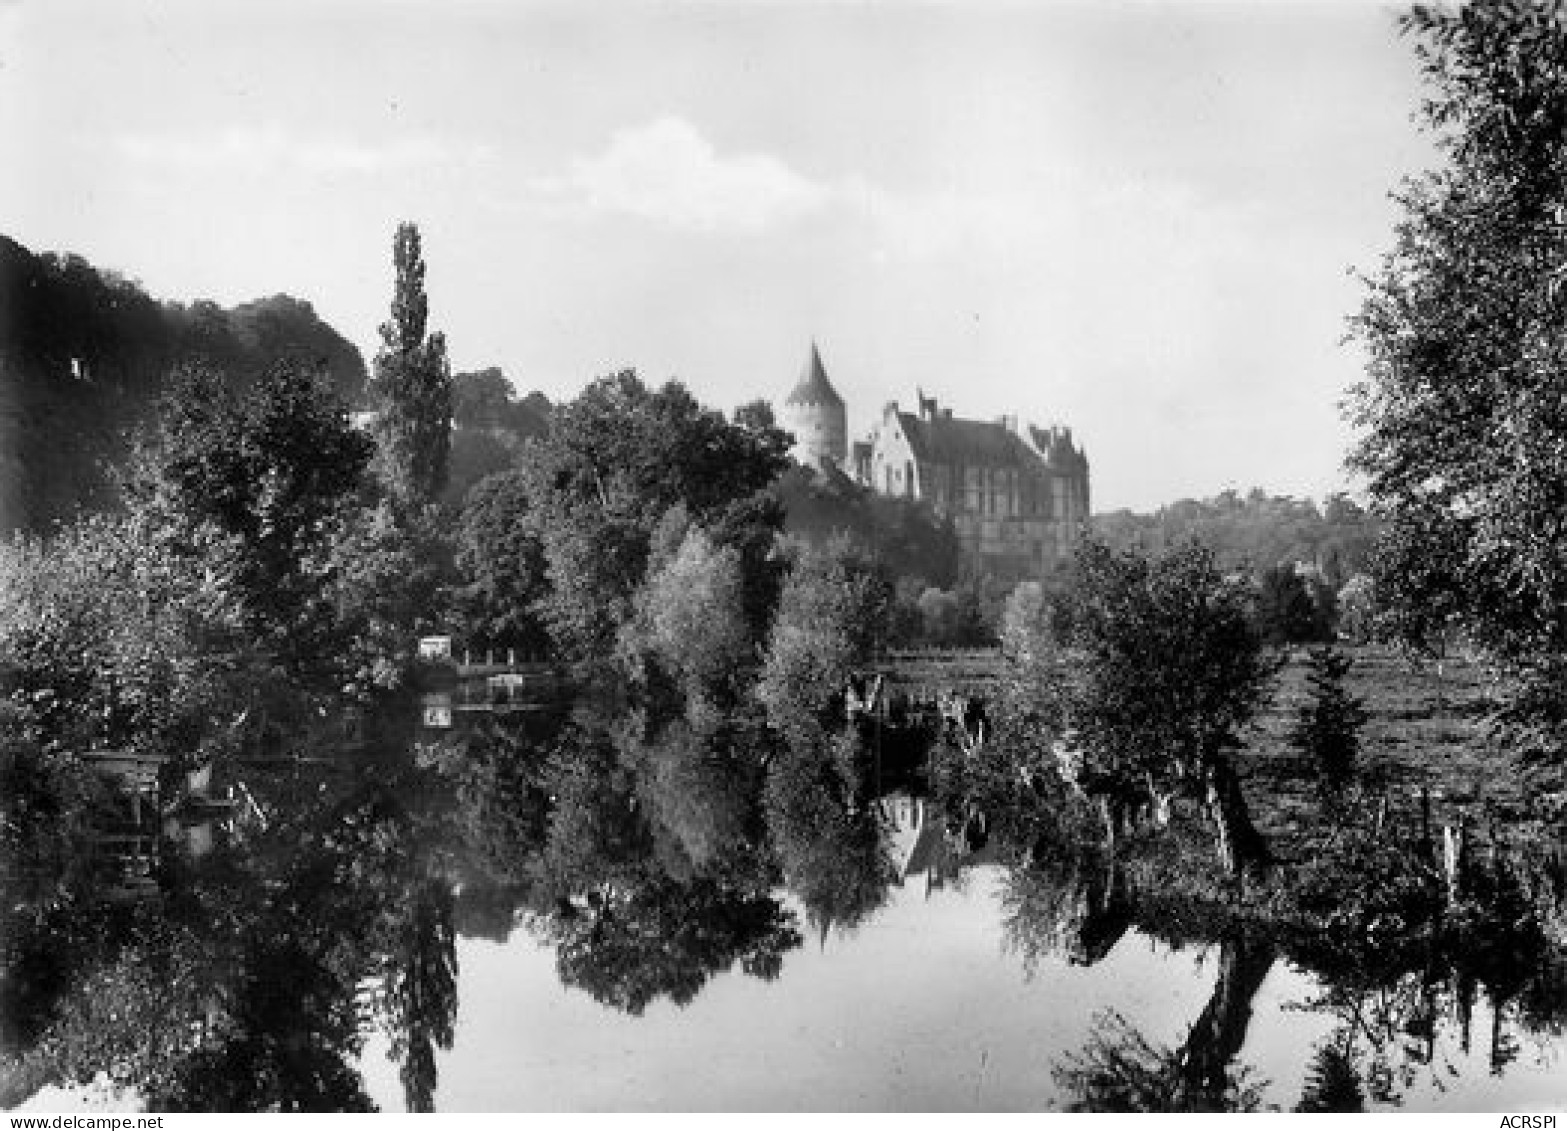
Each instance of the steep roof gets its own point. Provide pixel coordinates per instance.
(813, 388)
(969, 443)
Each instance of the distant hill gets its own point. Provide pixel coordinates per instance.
(1256, 530)
(84, 353)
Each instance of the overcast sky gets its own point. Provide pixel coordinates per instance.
(1135, 219)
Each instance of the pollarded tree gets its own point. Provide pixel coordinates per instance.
(1462, 415)
(1169, 669)
(412, 386)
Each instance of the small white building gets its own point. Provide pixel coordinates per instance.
(435, 647)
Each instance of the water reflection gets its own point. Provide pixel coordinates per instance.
(670, 871)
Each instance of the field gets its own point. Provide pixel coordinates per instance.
(1426, 730)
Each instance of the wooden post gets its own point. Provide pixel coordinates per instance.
(1453, 854)
(1426, 845)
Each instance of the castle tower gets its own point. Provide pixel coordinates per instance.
(815, 413)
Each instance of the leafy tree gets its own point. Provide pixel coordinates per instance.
(1461, 415)
(690, 619)
(257, 487)
(502, 567)
(756, 416)
(1286, 612)
(614, 461)
(831, 619)
(481, 399)
(1357, 610)
(1168, 670)
(904, 535)
(412, 386)
(1327, 727)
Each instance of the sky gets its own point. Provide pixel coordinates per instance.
(1135, 219)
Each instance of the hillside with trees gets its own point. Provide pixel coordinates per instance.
(1255, 531)
(85, 354)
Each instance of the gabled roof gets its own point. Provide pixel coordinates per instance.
(813, 388)
(969, 443)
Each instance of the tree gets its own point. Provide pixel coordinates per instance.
(412, 386)
(1462, 421)
(1286, 612)
(256, 488)
(481, 399)
(756, 416)
(502, 566)
(1168, 670)
(1327, 727)
(1357, 610)
(831, 618)
(691, 619)
(612, 464)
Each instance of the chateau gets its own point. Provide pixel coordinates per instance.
(1017, 495)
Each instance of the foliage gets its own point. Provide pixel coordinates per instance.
(412, 386)
(1362, 885)
(391, 579)
(257, 488)
(904, 535)
(614, 461)
(1462, 428)
(1167, 671)
(831, 619)
(690, 619)
(489, 429)
(1327, 728)
(1357, 610)
(501, 566)
(1254, 531)
(667, 938)
(1292, 609)
(1170, 668)
(1122, 1071)
(85, 355)
(1461, 415)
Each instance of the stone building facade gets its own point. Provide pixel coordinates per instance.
(1016, 494)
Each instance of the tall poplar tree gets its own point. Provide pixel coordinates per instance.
(412, 385)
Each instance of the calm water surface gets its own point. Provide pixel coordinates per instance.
(925, 1008)
(572, 910)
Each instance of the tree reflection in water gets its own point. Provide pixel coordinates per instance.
(653, 854)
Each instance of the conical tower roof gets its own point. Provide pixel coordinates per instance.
(813, 388)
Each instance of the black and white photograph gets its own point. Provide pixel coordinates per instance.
(783, 556)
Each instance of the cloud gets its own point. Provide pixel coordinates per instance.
(270, 148)
(668, 173)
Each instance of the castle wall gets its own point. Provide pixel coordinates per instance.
(1018, 520)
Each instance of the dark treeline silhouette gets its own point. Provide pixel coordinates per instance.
(85, 354)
